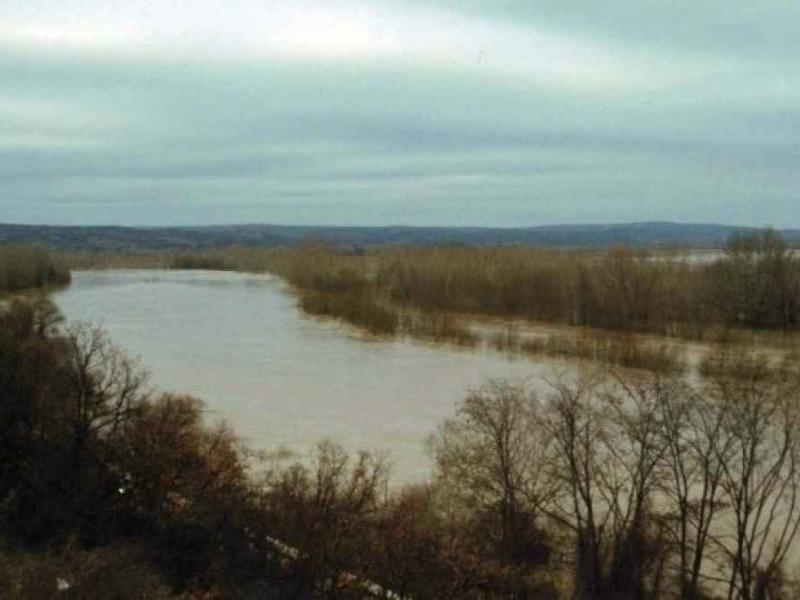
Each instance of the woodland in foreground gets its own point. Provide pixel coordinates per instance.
(601, 486)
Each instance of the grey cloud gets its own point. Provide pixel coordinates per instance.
(161, 139)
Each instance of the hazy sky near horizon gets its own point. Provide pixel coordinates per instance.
(457, 112)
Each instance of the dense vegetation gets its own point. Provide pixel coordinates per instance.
(593, 487)
(754, 284)
(28, 267)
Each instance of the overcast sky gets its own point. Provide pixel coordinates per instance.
(460, 112)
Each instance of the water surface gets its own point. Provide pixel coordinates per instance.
(282, 379)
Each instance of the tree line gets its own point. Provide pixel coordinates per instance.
(754, 284)
(26, 267)
(591, 486)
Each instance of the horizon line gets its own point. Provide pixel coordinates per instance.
(405, 226)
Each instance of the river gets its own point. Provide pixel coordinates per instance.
(279, 378)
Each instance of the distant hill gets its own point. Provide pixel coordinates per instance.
(652, 235)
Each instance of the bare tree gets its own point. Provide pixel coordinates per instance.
(608, 448)
(761, 475)
(104, 386)
(323, 511)
(575, 426)
(696, 451)
(490, 459)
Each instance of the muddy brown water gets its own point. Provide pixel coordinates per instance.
(279, 378)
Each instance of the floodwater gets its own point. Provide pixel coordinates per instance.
(279, 378)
